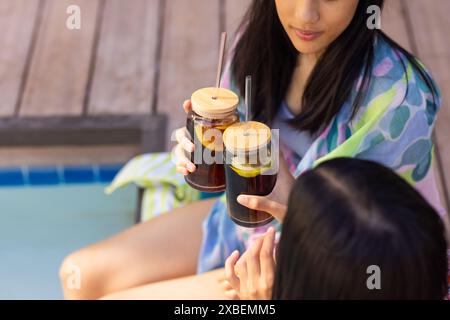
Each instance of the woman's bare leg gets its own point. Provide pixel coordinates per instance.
(163, 248)
(207, 286)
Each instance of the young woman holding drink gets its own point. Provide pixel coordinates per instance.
(334, 88)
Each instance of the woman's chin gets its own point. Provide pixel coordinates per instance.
(308, 47)
(307, 50)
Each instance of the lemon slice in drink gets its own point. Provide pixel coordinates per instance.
(248, 171)
(210, 137)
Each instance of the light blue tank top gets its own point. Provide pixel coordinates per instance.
(297, 141)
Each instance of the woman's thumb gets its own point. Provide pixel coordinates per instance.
(261, 203)
(254, 202)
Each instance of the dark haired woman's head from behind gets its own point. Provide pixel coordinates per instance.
(356, 230)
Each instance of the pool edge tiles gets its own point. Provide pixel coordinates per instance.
(57, 175)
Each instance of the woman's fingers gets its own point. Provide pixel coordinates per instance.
(187, 106)
(183, 165)
(253, 268)
(251, 275)
(230, 272)
(181, 135)
(267, 263)
(240, 269)
(225, 285)
(232, 294)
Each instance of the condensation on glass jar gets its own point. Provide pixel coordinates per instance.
(251, 168)
(206, 123)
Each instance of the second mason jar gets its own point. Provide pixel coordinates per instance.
(251, 168)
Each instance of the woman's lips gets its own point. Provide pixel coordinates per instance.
(307, 35)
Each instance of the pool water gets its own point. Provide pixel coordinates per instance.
(40, 225)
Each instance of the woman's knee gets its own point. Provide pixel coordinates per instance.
(81, 276)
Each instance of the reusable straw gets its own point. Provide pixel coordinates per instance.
(223, 41)
(248, 98)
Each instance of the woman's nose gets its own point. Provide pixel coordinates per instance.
(307, 11)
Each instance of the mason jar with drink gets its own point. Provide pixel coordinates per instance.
(251, 169)
(206, 122)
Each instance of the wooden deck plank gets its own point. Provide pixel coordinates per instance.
(430, 24)
(123, 82)
(60, 65)
(394, 25)
(234, 12)
(189, 54)
(17, 19)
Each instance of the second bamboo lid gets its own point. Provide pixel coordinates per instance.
(246, 136)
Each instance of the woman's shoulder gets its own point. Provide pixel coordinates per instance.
(394, 70)
(397, 88)
(396, 81)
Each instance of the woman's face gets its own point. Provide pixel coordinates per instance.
(314, 24)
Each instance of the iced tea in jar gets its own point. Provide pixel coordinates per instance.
(213, 111)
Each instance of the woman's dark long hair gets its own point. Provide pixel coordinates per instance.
(349, 214)
(265, 51)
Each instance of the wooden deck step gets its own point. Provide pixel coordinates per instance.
(79, 87)
(41, 156)
(149, 131)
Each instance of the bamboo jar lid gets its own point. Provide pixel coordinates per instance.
(204, 105)
(246, 136)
